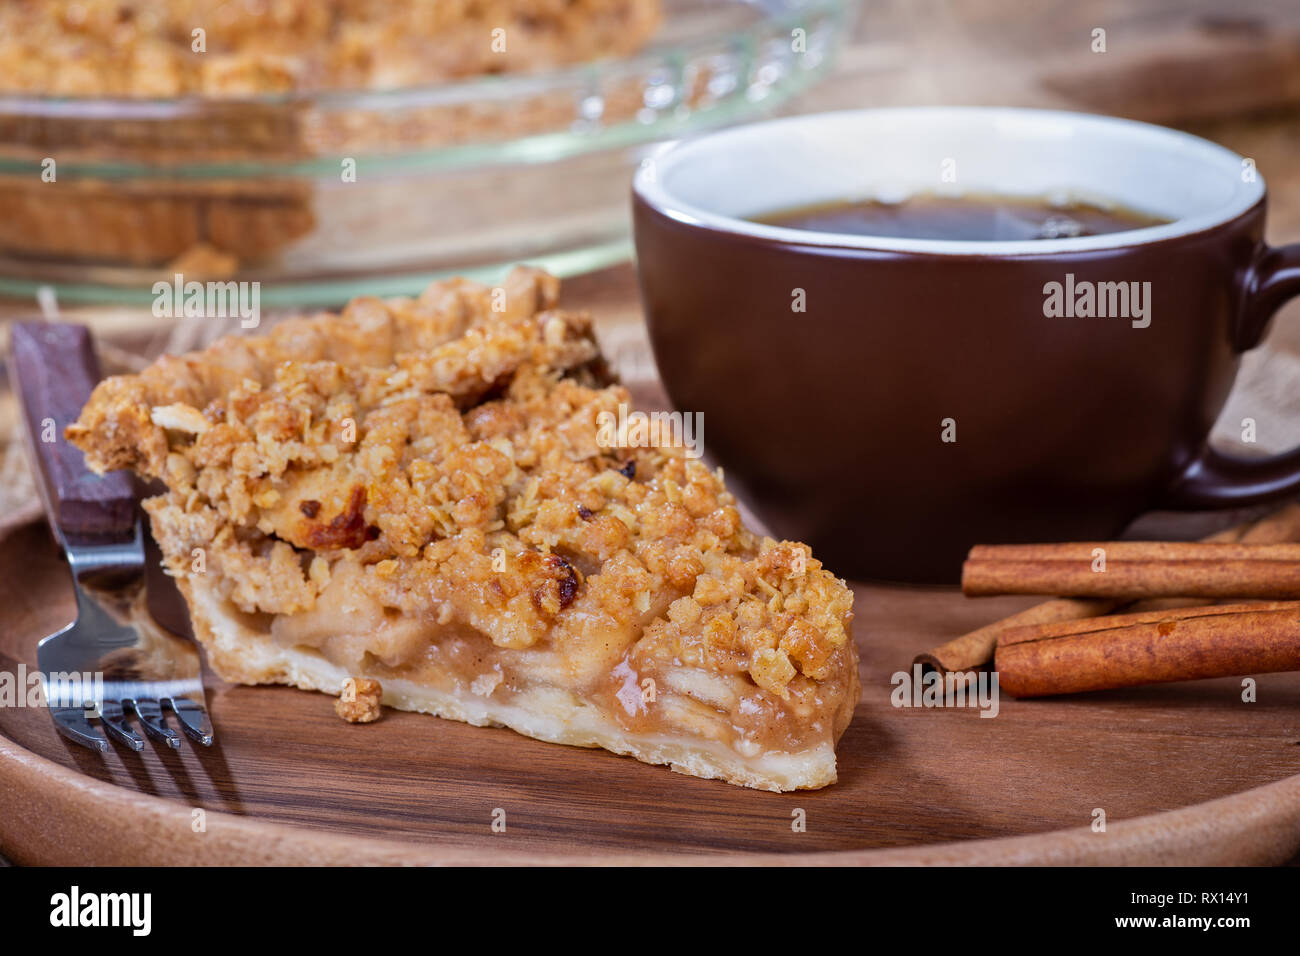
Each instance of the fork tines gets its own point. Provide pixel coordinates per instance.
(74, 722)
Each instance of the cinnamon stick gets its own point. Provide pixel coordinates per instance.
(1277, 527)
(975, 649)
(1134, 570)
(1148, 648)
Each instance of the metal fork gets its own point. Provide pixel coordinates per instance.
(114, 661)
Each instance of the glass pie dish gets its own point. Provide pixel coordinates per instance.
(323, 196)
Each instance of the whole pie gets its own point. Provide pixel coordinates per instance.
(251, 70)
(426, 493)
(236, 48)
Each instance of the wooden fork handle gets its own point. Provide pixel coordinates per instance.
(54, 370)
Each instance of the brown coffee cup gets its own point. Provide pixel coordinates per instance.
(895, 401)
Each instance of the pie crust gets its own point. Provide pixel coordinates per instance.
(426, 493)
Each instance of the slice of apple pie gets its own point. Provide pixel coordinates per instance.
(425, 493)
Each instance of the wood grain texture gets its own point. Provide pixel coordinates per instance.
(290, 782)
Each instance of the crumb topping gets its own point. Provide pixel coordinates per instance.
(360, 700)
(147, 48)
(433, 460)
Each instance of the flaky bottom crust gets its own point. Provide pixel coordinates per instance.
(244, 655)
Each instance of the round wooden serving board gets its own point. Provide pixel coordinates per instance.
(1185, 774)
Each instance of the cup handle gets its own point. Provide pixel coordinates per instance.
(1215, 480)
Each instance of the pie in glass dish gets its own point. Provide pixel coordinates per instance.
(154, 49)
(423, 493)
(180, 126)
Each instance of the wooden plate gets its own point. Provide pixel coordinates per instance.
(1173, 768)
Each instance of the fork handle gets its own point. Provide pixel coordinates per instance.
(54, 370)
